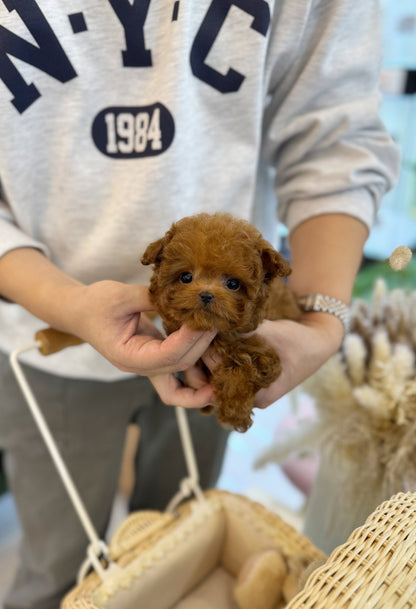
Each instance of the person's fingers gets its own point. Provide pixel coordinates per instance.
(211, 359)
(173, 393)
(146, 327)
(187, 346)
(137, 298)
(196, 377)
(178, 352)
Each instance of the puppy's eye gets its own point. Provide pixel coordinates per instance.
(186, 277)
(232, 283)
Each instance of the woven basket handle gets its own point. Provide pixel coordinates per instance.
(52, 340)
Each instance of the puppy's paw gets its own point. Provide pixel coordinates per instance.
(235, 414)
(235, 422)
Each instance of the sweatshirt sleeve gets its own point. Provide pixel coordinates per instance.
(13, 237)
(323, 133)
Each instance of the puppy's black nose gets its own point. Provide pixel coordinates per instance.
(206, 297)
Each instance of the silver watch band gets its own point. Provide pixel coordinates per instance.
(325, 304)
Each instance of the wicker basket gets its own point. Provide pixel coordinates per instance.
(374, 569)
(191, 560)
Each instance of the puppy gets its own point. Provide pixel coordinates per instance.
(214, 271)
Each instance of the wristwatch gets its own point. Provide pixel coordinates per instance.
(325, 304)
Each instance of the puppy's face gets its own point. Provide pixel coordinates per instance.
(212, 271)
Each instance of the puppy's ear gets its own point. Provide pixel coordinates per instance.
(154, 251)
(274, 264)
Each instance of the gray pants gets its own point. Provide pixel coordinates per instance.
(88, 420)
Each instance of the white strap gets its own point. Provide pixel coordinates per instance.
(97, 550)
(189, 486)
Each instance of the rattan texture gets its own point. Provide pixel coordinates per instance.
(374, 569)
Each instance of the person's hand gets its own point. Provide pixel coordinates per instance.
(108, 315)
(194, 392)
(302, 347)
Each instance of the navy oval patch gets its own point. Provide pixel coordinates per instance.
(132, 132)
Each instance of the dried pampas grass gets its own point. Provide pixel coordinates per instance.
(366, 394)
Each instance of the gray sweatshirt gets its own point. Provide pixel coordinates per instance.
(119, 116)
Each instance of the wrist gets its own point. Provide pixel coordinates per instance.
(63, 305)
(325, 304)
(82, 305)
(326, 324)
(31, 280)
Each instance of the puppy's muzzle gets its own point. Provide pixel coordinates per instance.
(206, 297)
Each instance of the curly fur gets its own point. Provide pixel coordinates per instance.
(217, 271)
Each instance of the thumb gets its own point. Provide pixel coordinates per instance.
(139, 296)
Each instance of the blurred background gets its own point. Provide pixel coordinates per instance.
(396, 223)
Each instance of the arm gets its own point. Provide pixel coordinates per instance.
(334, 161)
(326, 255)
(107, 314)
